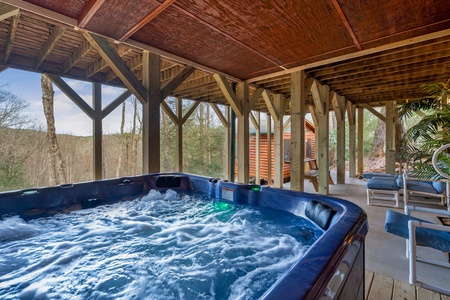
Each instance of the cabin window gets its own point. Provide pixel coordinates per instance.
(308, 148)
(287, 151)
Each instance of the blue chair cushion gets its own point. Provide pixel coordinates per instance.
(378, 183)
(397, 223)
(423, 186)
(439, 186)
(370, 175)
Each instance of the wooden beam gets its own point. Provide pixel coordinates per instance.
(11, 35)
(56, 34)
(166, 108)
(270, 106)
(89, 11)
(278, 159)
(190, 111)
(253, 119)
(179, 127)
(219, 114)
(118, 65)
(97, 131)
(254, 98)
(339, 110)
(169, 87)
(76, 56)
(351, 116)
(115, 103)
(7, 11)
(146, 20)
(151, 134)
(360, 138)
(227, 91)
(242, 95)
(347, 25)
(316, 94)
(373, 111)
(66, 89)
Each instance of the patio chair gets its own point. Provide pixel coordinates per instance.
(421, 191)
(419, 232)
(383, 188)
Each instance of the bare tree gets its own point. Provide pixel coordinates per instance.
(122, 140)
(11, 108)
(379, 137)
(57, 173)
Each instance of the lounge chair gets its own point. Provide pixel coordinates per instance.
(421, 191)
(419, 232)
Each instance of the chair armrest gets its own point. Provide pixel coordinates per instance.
(412, 224)
(410, 208)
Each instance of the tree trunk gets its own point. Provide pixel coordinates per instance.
(57, 173)
(379, 137)
(165, 128)
(122, 140)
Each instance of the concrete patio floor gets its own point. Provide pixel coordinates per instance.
(384, 252)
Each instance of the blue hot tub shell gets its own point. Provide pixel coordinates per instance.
(332, 268)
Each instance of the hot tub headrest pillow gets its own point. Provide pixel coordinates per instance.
(319, 213)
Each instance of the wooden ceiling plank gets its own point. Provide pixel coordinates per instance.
(89, 11)
(7, 11)
(116, 63)
(361, 53)
(229, 94)
(10, 37)
(168, 88)
(133, 63)
(77, 56)
(69, 92)
(347, 25)
(146, 20)
(56, 34)
(316, 94)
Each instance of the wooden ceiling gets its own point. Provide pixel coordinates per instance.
(369, 52)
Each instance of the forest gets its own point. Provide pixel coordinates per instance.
(26, 160)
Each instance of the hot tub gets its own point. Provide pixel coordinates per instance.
(331, 268)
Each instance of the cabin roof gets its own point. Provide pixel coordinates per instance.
(369, 52)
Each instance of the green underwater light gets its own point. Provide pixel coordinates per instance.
(222, 206)
(256, 188)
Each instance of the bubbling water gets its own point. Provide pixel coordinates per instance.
(160, 246)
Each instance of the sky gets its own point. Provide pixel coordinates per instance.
(69, 119)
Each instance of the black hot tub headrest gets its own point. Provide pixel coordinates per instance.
(319, 213)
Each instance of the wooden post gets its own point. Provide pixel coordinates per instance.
(351, 111)
(278, 142)
(321, 96)
(390, 137)
(258, 148)
(242, 95)
(97, 131)
(151, 66)
(269, 148)
(179, 155)
(360, 140)
(299, 92)
(339, 111)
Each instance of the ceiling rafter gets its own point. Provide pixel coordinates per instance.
(347, 25)
(10, 36)
(77, 56)
(89, 11)
(146, 20)
(56, 34)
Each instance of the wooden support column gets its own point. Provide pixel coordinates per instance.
(151, 68)
(97, 131)
(351, 116)
(242, 95)
(269, 148)
(360, 141)
(300, 85)
(321, 96)
(390, 137)
(179, 155)
(339, 111)
(257, 123)
(278, 142)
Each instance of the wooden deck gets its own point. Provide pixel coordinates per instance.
(379, 287)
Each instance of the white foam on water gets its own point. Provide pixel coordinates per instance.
(160, 246)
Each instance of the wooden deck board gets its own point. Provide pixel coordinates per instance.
(378, 286)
